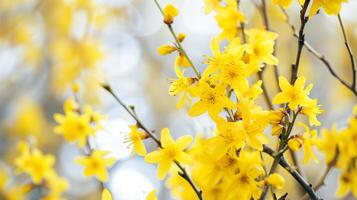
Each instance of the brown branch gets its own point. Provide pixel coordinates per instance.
(301, 40)
(319, 56)
(349, 49)
(303, 183)
(140, 124)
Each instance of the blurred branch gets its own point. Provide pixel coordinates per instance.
(353, 66)
(140, 124)
(181, 49)
(303, 183)
(323, 177)
(319, 56)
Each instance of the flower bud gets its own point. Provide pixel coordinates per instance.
(166, 49)
(295, 143)
(170, 12)
(181, 37)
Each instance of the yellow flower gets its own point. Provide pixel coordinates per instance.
(229, 137)
(29, 119)
(96, 164)
(331, 7)
(166, 49)
(295, 95)
(312, 110)
(136, 138)
(347, 182)
(244, 185)
(56, 186)
(212, 99)
(106, 195)
(328, 144)
(309, 138)
(35, 163)
(151, 195)
(228, 18)
(74, 127)
(180, 85)
(284, 3)
(261, 46)
(276, 180)
(170, 12)
(70, 105)
(211, 5)
(171, 151)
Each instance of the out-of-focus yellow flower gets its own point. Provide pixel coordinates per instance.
(56, 186)
(96, 164)
(347, 182)
(284, 3)
(295, 95)
(29, 119)
(106, 195)
(211, 5)
(171, 151)
(74, 127)
(34, 163)
(170, 12)
(328, 144)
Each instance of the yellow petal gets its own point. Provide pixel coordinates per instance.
(197, 109)
(184, 141)
(139, 148)
(154, 157)
(166, 138)
(163, 168)
(151, 195)
(106, 195)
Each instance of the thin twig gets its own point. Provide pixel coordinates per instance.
(303, 183)
(264, 12)
(178, 43)
(301, 40)
(140, 124)
(321, 180)
(265, 92)
(349, 49)
(319, 56)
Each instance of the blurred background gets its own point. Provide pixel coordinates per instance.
(47, 45)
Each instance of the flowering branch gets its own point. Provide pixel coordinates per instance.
(301, 41)
(318, 55)
(303, 183)
(183, 172)
(178, 43)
